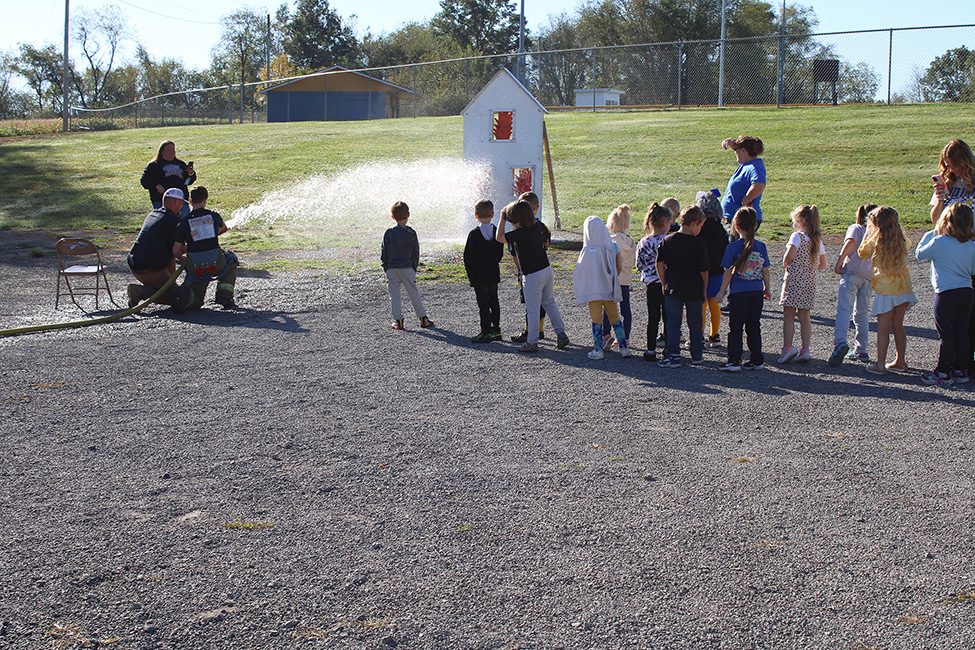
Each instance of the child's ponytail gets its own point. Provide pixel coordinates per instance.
(746, 221)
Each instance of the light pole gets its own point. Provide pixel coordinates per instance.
(65, 119)
(721, 58)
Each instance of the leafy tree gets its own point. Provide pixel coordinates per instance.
(950, 77)
(315, 38)
(560, 73)
(240, 55)
(858, 83)
(99, 33)
(42, 69)
(482, 26)
(12, 102)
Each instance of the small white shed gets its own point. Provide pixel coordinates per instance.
(503, 130)
(598, 97)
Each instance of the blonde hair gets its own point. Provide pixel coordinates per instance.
(619, 218)
(673, 205)
(656, 215)
(808, 216)
(956, 221)
(891, 245)
(961, 155)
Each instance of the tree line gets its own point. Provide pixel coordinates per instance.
(683, 68)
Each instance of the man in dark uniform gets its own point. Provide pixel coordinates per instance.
(151, 257)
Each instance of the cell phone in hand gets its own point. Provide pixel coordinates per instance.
(938, 179)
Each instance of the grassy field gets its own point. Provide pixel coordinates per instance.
(836, 157)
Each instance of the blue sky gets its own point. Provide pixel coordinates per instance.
(188, 30)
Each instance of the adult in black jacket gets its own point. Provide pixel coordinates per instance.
(166, 171)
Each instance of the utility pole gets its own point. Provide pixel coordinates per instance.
(65, 118)
(521, 46)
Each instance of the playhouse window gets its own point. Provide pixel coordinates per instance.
(522, 180)
(503, 125)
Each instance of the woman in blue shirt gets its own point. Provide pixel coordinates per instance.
(748, 182)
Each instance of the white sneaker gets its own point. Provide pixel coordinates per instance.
(626, 352)
(804, 357)
(597, 354)
(788, 355)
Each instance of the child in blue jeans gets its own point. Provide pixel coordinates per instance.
(854, 294)
(682, 266)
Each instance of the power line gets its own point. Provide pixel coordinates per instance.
(156, 13)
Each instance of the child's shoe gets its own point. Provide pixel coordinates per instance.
(562, 342)
(597, 354)
(397, 324)
(959, 376)
(839, 353)
(861, 356)
(520, 338)
(495, 334)
(935, 378)
(483, 337)
(669, 362)
(650, 356)
(607, 342)
(626, 352)
(748, 365)
(788, 354)
(730, 366)
(697, 362)
(803, 356)
(425, 322)
(529, 348)
(712, 341)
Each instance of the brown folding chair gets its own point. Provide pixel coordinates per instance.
(90, 267)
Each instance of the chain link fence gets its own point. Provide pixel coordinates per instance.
(873, 66)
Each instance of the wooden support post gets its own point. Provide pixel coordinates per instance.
(551, 178)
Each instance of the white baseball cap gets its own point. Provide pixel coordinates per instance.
(174, 193)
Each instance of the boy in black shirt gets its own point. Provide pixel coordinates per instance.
(197, 234)
(683, 264)
(482, 256)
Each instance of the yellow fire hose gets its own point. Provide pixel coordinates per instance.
(96, 321)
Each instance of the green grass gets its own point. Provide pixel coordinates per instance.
(835, 157)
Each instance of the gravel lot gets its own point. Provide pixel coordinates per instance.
(297, 475)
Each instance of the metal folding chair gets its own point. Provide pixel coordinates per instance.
(68, 248)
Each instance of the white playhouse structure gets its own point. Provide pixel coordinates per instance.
(503, 130)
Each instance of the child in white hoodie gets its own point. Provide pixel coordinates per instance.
(596, 281)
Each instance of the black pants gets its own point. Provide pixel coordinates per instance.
(655, 308)
(952, 316)
(488, 306)
(746, 314)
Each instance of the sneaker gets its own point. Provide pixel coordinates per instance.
(483, 337)
(748, 365)
(803, 357)
(562, 341)
(529, 347)
(607, 343)
(730, 366)
(935, 378)
(669, 362)
(521, 338)
(650, 356)
(661, 341)
(839, 353)
(726, 308)
(788, 354)
(425, 322)
(627, 352)
(712, 341)
(397, 324)
(697, 362)
(135, 295)
(597, 354)
(495, 335)
(862, 357)
(959, 376)
(541, 334)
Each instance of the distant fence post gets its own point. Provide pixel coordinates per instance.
(890, 57)
(230, 105)
(414, 92)
(680, 73)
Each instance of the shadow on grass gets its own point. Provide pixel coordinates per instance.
(28, 181)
